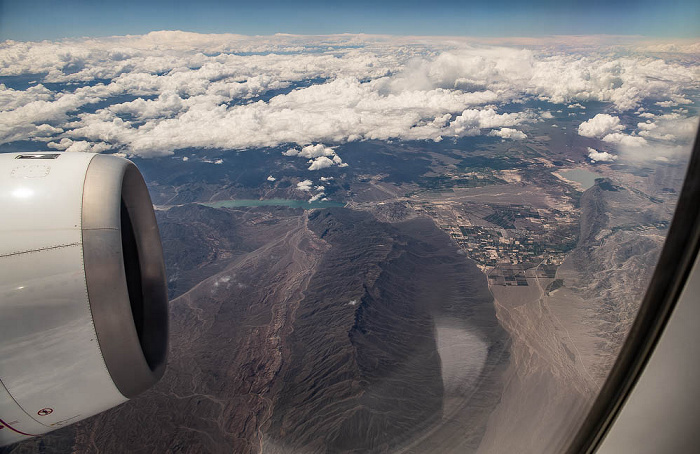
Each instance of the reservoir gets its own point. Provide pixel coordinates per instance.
(584, 177)
(274, 202)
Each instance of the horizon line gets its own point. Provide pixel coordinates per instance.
(369, 35)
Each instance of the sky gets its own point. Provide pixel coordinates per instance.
(35, 20)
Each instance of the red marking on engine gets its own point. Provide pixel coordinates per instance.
(4, 424)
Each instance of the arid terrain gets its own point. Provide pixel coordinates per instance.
(374, 243)
(329, 331)
(422, 317)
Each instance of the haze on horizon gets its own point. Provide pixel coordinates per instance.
(34, 20)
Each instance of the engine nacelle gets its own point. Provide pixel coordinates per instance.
(83, 300)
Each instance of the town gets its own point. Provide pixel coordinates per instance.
(507, 240)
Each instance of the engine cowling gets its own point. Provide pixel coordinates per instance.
(83, 299)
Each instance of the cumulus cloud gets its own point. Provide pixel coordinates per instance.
(311, 151)
(305, 185)
(600, 156)
(320, 193)
(625, 140)
(271, 178)
(153, 94)
(318, 196)
(600, 126)
(319, 155)
(222, 280)
(671, 127)
(79, 146)
(660, 135)
(320, 163)
(508, 133)
(471, 121)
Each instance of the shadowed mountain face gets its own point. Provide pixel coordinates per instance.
(365, 372)
(199, 241)
(364, 368)
(326, 331)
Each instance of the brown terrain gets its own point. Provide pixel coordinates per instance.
(368, 329)
(322, 331)
(566, 337)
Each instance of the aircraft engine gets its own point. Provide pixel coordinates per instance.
(83, 300)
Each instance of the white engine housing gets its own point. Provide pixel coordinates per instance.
(83, 300)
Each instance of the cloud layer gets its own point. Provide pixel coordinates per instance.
(151, 95)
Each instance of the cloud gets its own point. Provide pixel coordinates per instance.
(311, 151)
(213, 161)
(689, 46)
(600, 156)
(318, 196)
(625, 140)
(150, 95)
(305, 185)
(472, 121)
(671, 127)
(508, 133)
(319, 155)
(271, 178)
(599, 126)
(222, 280)
(79, 146)
(319, 163)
